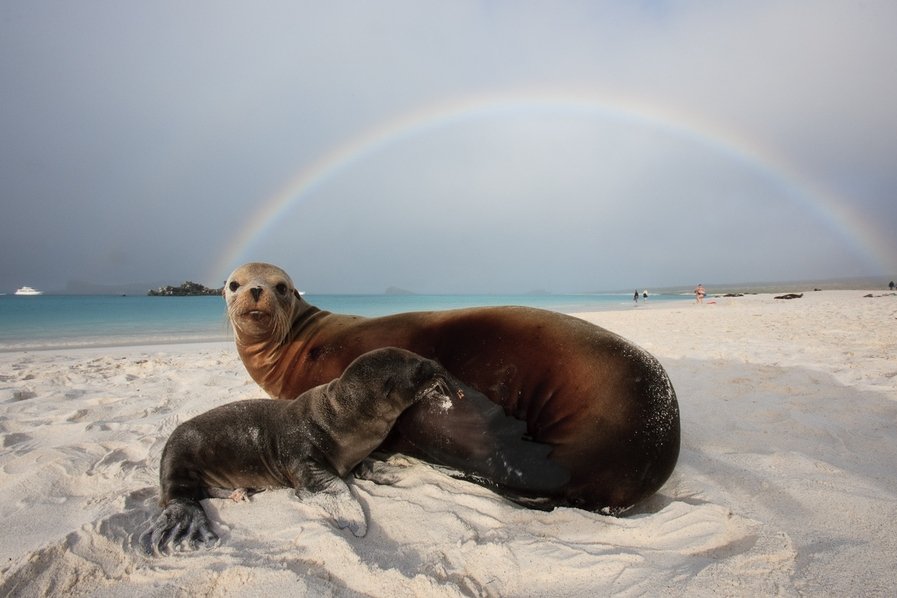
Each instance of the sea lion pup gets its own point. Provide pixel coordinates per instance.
(308, 444)
(605, 407)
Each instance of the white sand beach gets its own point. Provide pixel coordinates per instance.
(786, 484)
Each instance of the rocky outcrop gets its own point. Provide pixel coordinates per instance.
(188, 289)
(791, 296)
(398, 291)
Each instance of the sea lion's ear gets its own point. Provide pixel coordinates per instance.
(296, 293)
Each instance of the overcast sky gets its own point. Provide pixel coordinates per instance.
(608, 145)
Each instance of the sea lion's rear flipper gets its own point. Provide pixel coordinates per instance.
(472, 434)
(333, 495)
(181, 523)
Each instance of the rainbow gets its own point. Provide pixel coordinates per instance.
(835, 211)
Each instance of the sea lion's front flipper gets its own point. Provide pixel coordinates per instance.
(472, 434)
(333, 495)
(181, 523)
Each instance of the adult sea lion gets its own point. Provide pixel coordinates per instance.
(605, 407)
(309, 444)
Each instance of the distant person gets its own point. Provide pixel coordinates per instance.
(635, 296)
(699, 293)
(645, 295)
(891, 286)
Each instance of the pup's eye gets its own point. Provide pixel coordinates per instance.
(281, 288)
(234, 285)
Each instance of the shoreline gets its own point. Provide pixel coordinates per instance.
(76, 343)
(108, 344)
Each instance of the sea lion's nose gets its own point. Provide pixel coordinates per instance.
(256, 292)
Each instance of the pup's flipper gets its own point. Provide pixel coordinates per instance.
(333, 495)
(181, 523)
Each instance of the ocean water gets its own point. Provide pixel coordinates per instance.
(75, 321)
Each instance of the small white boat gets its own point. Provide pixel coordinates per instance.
(28, 291)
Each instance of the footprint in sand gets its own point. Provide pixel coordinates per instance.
(77, 416)
(17, 440)
(116, 462)
(23, 394)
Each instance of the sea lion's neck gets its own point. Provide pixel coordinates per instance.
(278, 367)
(260, 360)
(305, 319)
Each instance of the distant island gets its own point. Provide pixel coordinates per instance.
(398, 291)
(188, 289)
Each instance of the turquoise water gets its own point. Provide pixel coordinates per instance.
(60, 321)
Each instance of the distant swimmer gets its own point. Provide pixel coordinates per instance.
(699, 293)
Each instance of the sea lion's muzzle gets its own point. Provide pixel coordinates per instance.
(256, 315)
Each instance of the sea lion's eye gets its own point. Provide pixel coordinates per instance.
(281, 288)
(234, 285)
